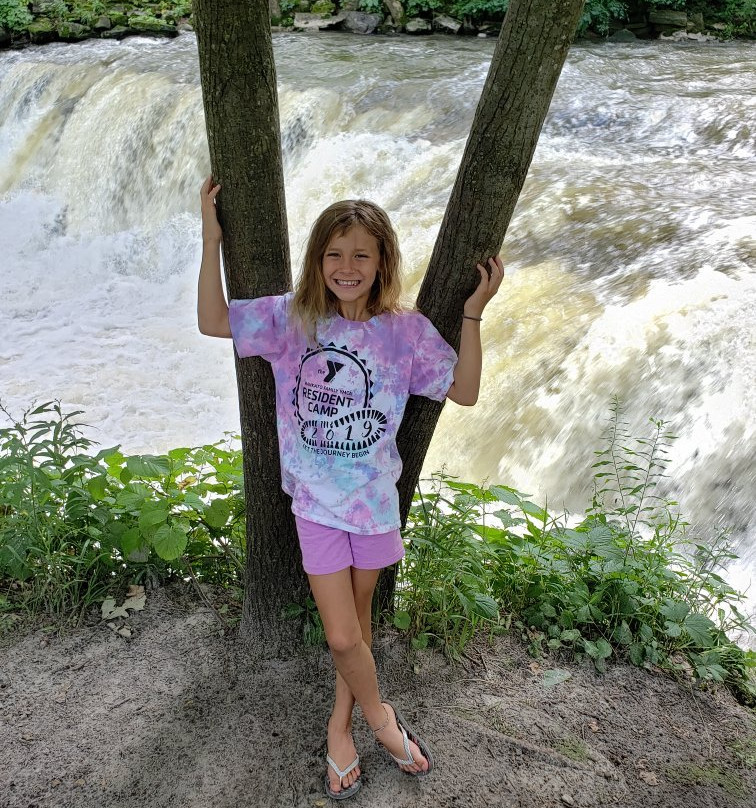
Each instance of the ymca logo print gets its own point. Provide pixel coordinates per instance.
(332, 398)
(333, 369)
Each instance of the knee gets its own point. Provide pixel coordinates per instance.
(343, 642)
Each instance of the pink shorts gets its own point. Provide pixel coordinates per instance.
(329, 549)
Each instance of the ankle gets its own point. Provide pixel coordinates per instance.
(338, 725)
(383, 724)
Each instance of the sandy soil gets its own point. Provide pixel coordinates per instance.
(180, 715)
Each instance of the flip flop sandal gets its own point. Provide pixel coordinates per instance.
(409, 734)
(345, 793)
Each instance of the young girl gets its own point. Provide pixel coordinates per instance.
(345, 358)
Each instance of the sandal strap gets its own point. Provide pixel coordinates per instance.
(409, 761)
(342, 774)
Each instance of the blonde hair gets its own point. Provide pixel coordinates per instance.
(312, 299)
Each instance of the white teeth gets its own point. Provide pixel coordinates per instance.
(347, 283)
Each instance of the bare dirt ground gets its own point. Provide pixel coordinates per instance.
(180, 715)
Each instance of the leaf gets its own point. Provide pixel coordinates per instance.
(402, 620)
(508, 495)
(675, 610)
(152, 515)
(109, 610)
(135, 602)
(169, 542)
(636, 654)
(97, 487)
(555, 676)
(131, 499)
(700, 629)
(604, 649)
(570, 635)
(599, 649)
(148, 466)
(672, 629)
(531, 509)
(622, 634)
(217, 513)
(485, 606)
(420, 642)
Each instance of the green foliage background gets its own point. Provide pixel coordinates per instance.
(738, 16)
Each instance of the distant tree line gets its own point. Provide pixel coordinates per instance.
(73, 20)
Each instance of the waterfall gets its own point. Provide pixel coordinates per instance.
(630, 258)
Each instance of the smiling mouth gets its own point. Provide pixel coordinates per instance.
(340, 282)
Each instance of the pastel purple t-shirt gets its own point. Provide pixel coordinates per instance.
(339, 404)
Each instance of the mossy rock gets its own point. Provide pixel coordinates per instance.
(324, 7)
(118, 18)
(117, 32)
(41, 30)
(73, 31)
(150, 25)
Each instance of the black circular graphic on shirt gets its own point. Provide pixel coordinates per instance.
(332, 398)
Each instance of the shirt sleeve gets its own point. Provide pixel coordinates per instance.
(433, 362)
(259, 326)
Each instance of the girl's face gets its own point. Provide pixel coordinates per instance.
(350, 265)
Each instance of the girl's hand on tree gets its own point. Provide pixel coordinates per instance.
(490, 281)
(211, 230)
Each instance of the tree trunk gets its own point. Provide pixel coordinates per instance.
(241, 112)
(524, 71)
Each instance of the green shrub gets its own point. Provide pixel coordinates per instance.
(627, 581)
(73, 523)
(14, 15)
(598, 14)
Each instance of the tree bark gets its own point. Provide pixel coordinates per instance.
(524, 71)
(239, 89)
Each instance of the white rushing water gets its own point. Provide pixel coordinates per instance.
(630, 258)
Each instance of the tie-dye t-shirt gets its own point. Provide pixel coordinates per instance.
(339, 404)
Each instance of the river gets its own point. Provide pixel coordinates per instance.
(630, 258)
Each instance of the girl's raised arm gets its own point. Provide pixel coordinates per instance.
(466, 385)
(212, 309)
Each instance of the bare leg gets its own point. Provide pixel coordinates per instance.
(353, 659)
(363, 586)
(340, 743)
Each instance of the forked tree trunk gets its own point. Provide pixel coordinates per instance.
(241, 111)
(239, 88)
(524, 71)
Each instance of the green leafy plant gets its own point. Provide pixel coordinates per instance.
(14, 15)
(598, 14)
(626, 581)
(479, 9)
(313, 632)
(444, 585)
(371, 6)
(73, 523)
